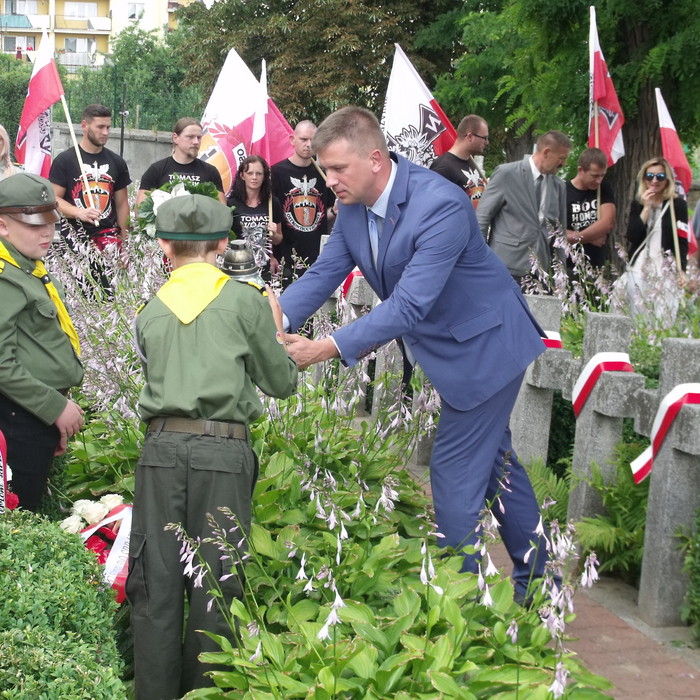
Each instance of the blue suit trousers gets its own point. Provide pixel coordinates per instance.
(472, 464)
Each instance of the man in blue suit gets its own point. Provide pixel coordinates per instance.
(455, 307)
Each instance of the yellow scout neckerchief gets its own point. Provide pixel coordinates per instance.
(43, 275)
(191, 288)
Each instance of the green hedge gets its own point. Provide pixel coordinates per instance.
(56, 634)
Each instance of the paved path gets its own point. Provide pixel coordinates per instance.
(643, 663)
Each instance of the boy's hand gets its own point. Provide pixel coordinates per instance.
(276, 308)
(68, 423)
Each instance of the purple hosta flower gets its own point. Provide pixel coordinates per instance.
(338, 602)
(481, 582)
(427, 571)
(512, 631)
(590, 573)
(491, 569)
(309, 587)
(258, 652)
(487, 600)
(339, 549)
(561, 676)
(359, 507)
(325, 573)
(388, 496)
(301, 575)
(547, 503)
(253, 629)
(552, 621)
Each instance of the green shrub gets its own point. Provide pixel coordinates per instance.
(690, 610)
(617, 536)
(56, 638)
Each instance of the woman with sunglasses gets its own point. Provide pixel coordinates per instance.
(651, 278)
(650, 227)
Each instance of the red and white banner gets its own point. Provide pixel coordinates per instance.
(671, 145)
(33, 147)
(599, 363)
(671, 404)
(413, 122)
(606, 118)
(8, 500)
(109, 540)
(552, 339)
(241, 120)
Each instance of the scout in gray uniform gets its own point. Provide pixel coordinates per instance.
(39, 347)
(206, 341)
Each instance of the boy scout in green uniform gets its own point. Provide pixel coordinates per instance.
(39, 347)
(206, 341)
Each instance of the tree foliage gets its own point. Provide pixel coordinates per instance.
(14, 79)
(321, 54)
(144, 70)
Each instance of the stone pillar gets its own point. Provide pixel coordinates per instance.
(599, 425)
(532, 413)
(674, 491)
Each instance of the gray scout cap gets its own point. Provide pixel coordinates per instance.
(193, 217)
(29, 199)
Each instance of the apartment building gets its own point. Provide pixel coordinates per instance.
(80, 30)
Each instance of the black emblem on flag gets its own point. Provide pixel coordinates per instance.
(416, 142)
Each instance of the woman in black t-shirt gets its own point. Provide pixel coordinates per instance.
(251, 196)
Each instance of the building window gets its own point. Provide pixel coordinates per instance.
(135, 10)
(75, 44)
(10, 44)
(25, 7)
(80, 10)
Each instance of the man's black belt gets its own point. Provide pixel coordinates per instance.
(198, 426)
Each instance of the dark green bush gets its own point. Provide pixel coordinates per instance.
(56, 634)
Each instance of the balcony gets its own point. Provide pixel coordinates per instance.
(89, 25)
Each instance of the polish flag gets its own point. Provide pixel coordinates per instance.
(240, 120)
(675, 155)
(606, 118)
(413, 122)
(33, 146)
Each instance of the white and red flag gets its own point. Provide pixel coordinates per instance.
(413, 122)
(606, 118)
(241, 120)
(675, 155)
(33, 147)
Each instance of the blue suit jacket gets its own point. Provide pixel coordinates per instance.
(443, 290)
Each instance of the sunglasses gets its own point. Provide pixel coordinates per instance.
(660, 177)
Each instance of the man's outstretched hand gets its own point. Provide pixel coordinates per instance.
(308, 352)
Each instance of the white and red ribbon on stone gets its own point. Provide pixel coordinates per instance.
(348, 282)
(552, 339)
(117, 562)
(678, 397)
(599, 363)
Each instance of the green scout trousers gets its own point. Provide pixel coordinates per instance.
(180, 478)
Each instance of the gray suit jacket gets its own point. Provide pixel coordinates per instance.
(509, 209)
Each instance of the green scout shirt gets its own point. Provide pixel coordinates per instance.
(37, 361)
(209, 368)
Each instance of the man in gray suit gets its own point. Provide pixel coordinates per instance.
(521, 204)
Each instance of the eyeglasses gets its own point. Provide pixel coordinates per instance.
(479, 136)
(660, 177)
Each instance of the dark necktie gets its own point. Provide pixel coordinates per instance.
(538, 189)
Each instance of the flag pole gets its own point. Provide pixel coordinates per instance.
(86, 186)
(597, 145)
(676, 245)
(321, 173)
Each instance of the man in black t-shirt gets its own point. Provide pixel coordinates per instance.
(306, 201)
(101, 212)
(183, 164)
(585, 223)
(458, 165)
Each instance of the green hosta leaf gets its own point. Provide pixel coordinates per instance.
(400, 659)
(262, 543)
(499, 632)
(444, 683)
(407, 603)
(442, 652)
(356, 612)
(304, 610)
(513, 675)
(372, 635)
(364, 663)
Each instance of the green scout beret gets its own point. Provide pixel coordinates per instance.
(193, 217)
(28, 198)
